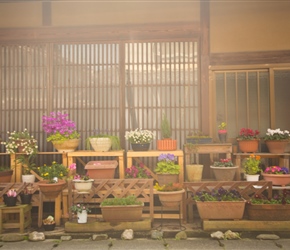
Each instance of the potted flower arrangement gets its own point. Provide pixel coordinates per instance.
(166, 143)
(140, 139)
(83, 183)
(252, 167)
(248, 140)
(198, 137)
(274, 209)
(49, 223)
(138, 171)
(222, 132)
(52, 183)
(62, 131)
(171, 194)
(278, 175)
(26, 194)
(103, 142)
(10, 198)
(167, 171)
(220, 204)
(276, 140)
(81, 210)
(224, 170)
(28, 165)
(120, 209)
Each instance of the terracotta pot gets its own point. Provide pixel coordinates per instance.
(268, 212)
(164, 179)
(277, 179)
(171, 199)
(166, 144)
(218, 210)
(224, 173)
(83, 186)
(140, 146)
(122, 213)
(51, 190)
(101, 169)
(66, 146)
(248, 146)
(277, 147)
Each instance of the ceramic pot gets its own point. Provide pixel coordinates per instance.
(224, 173)
(252, 177)
(171, 199)
(277, 147)
(194, 172)
(66, 146)
(82, 217)
(83, 186)
(101, 144)
(101, 169)
(140, 146)
(277, 179)
(51, 190)
(248, 146)
(164, 179)
(28, 178)
(5, 176)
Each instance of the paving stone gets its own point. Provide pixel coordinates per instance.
(12, 237)
(36, 236)
(268, 237)
(156, 234)
(98, 237)
(181, 235)
(66, 238)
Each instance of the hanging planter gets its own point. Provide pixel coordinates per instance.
(171, 199)
(83, 186)
(51, 190)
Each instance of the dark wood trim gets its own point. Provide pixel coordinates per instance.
(244, 58)
(204, 65)
(132, 33)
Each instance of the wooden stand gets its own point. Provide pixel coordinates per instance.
(119, 154)
(21, 211)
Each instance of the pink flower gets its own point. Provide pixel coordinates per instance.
(73, 166)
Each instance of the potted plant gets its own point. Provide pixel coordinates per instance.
(276, 140)
(167, 171)
(275, 209)
(138, 171)
(62, 131)
(121, 209)
(52, 183)
(26, 194)
(166, 143)
(171, 194)
(224, 170)
(222, 132)
(140, 139)
(252, 167)
(5, 174)
(101, 169)
(83, 183)
(28, 165)
(220, 204)
(81, 210)
(197, 137)
(248, 140)
(103, 142)
(48, 223)
(10, 198)
(278, 175)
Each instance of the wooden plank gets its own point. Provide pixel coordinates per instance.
(246, 225)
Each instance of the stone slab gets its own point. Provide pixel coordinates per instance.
(97, 226)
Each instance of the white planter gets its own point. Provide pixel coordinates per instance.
(101, 144)
(82, 217)
(28, 178)
(83, 186)
(252, 177)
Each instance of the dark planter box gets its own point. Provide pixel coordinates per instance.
(199, 140)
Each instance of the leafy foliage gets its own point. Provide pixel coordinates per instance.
(166, 165)
(218, 195)
(124, 201)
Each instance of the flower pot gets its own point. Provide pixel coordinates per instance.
(194, 172)
(51, 190)
(101, 144)
(248, 146)
(140, 146)
(122, 213)
(277, 147)
(171, 199)
(277, 179)
(83, 186)
(28, 178)
(221, 210)
(25, 198)
(164, 179)
(67, 145)
(224, 173)
(5, 176)
(49, 227)
(166, 144)
(9, 200)
(252, 177)
(101, 169)
(268, 212)
(223, 137)
(82, 217)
